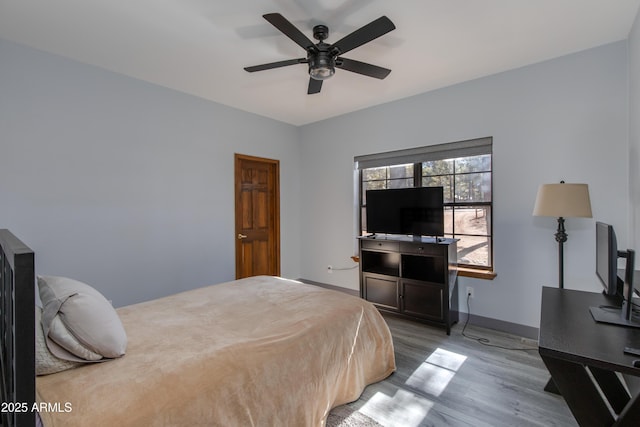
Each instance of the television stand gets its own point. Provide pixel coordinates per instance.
(415, 278)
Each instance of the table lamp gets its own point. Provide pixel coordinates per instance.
(562, 201)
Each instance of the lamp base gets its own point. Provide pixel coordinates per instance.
(561, 237)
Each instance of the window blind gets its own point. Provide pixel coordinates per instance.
(450, 150)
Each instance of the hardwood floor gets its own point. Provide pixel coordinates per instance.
(456, 381)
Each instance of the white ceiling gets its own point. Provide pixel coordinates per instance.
(201, 46)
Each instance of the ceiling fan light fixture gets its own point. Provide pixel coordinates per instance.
(322, 73)
(322, 66)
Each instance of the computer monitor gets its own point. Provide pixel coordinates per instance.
(607, 260)
(607, 255)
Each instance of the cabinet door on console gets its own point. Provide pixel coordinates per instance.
(422, 299)
(382, 291)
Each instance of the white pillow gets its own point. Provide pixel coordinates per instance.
(46, 362)
(78, 322)
(59, 332)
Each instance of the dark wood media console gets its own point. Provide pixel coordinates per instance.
(413, 278)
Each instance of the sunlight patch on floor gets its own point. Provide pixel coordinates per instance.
(434, 375)
(402, 409)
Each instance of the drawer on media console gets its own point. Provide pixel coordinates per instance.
(422, 248)
(382, 245)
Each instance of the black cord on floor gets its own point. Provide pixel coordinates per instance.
(486, 341)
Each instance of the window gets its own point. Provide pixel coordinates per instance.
(463, 169)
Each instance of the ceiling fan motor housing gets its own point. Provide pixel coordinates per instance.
(321, 32)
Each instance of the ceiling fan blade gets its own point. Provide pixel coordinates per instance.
(314, 86)
(277, 64)
(362, 68)
(289, 30)
(371, 31)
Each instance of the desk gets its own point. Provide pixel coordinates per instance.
(579, 353)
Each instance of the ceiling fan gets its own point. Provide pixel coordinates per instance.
(324, 58)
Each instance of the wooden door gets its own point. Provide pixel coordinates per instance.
(257, 231)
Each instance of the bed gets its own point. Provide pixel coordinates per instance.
(257, 351)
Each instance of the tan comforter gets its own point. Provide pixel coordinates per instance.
(261, 351)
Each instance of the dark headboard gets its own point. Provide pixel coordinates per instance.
(17, 327)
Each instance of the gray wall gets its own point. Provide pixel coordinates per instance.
(634, 134)
(561, 119)
(634, 154)
(127, 185)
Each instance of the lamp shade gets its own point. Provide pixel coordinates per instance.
(563, 200)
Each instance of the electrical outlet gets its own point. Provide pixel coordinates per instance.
(469, 291)
(329, 269)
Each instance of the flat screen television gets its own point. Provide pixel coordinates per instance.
(417, 211)
(607, 255)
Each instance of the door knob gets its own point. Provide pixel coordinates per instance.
(241, 236)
